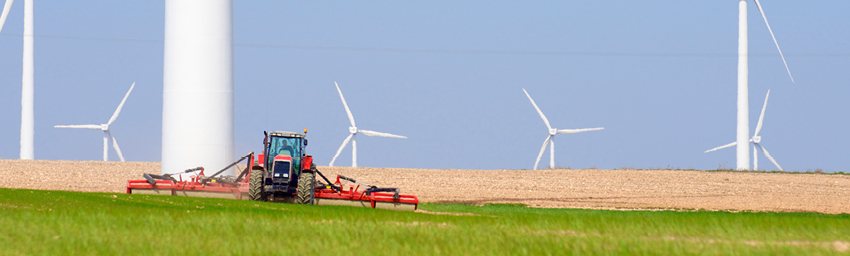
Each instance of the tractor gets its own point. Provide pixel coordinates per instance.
(286, 172)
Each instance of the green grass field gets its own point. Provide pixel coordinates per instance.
(36, 222)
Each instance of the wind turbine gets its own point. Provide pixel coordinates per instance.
(756, 140)
(551, 137)
(354, 131)
(197, 85)
(105, 128)
(27, 95)
(743, 158)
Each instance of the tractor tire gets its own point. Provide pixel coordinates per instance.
(255, 185)
(306, 188)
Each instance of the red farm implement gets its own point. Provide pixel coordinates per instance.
(286, 175)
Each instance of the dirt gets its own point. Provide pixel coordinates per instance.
(86, 176)
(562, 188)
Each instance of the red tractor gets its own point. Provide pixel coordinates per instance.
(286, 171)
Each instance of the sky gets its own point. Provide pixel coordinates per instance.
(660, 76)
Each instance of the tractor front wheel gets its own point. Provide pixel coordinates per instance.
(306, 188)
(255, 185)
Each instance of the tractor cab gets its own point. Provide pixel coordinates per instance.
(282, 158)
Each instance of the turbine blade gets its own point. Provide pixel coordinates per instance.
(5, 14)
(115, 145)
(380, 134)
(774, 39)
(347, 111)
(538, 110)
(118, 110)
(344, 143)
(570, 131)
(542, 149)
(761, 117)
(722, 147)
(82, 126)
(763, 150)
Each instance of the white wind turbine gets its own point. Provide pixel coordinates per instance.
(354, 131)
(551, 137)
(743, 127)
(105, 128)
(27, 91)
(756, 140)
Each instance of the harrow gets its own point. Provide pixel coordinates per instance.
(229, 187)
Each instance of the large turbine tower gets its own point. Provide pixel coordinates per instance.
(743, 152)
(27, 90)
(197, 100)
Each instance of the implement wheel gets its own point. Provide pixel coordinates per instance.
(255, 185)
(306, 188)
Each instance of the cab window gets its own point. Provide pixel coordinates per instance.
(286, 146)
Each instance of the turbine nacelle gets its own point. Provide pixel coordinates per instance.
(104, 127)
(756, 139)
(553, 131)
(352, 129)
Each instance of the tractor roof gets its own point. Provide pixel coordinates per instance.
(287, 134)
(283, 158)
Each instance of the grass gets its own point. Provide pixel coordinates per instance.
(72, 223)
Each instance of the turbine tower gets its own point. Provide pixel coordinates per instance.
(27, 91)
(743, 154)
(105, 128)
(756, 140)
(197, 98)
(551, 138)
(354, 131)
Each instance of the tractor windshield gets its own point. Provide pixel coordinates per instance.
(286, 146)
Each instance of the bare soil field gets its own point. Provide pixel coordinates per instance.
(561, 188)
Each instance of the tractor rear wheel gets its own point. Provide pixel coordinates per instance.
(255, 185)
(306, 188)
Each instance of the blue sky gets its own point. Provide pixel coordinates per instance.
(660, 76)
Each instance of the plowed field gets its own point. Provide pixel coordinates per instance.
(567, 188)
